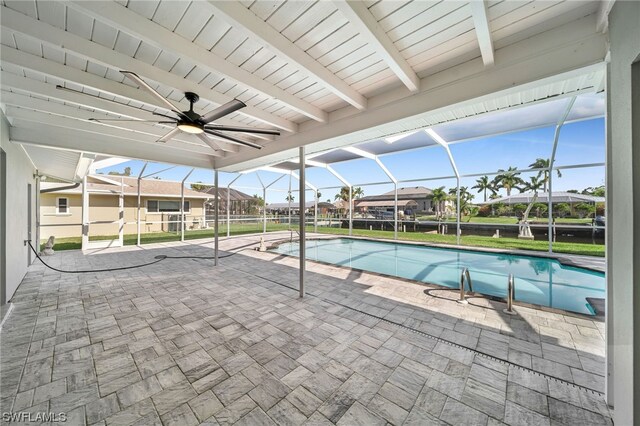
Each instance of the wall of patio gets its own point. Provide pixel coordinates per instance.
(15, 257)
(623, 205)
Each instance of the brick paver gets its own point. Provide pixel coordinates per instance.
(184, 342)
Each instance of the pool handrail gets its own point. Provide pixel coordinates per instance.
(463, 274)
(511, 295)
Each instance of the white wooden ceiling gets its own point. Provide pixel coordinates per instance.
(300, 66)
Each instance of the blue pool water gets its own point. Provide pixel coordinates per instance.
(538, 280)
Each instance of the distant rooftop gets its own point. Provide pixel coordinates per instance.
(407, 193)
(543, 197)
(114, 184)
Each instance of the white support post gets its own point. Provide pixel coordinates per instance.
(458, 211)
(289, 200)
(552, 159)
(264, 207)
(436, 137)
(204, 215)
(228, 211)
(266, 187)
(350, 210)
(264, 210)
(347, 184)
(302, 231)
(229, 205)
(395, 196)
(138, 203)
(315, 198)
(121, 213)
(395, 210)
(182, 205)
(216, 205)
(85, 214)
(37, 242)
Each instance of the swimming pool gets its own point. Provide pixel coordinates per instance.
(538, 280)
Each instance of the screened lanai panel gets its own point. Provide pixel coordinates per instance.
(501, 122)
(587, 107)
(523, 118)
(335, 156)
(412, 141)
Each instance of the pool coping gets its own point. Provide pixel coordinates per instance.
(596, 317)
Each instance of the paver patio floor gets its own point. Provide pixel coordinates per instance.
(182, 342)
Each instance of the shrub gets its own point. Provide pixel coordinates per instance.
(519, 209)
(540, 209)
(562, 209)
(585, 209)
(484, 211)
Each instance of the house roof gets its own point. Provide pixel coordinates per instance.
(129, 186)
(543, 197)
(296, 205)
(406, 193)
(234, 194)
(401, 203)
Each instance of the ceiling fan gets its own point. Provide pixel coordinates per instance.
(194, 123)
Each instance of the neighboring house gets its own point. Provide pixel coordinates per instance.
(417, 198)
(543, 197)
(61, 210)
(558, 197)
(239, 202)
(324, 208)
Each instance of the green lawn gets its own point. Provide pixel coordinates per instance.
(75, 243)
(478, 241)
(508, 220)
(467, 240)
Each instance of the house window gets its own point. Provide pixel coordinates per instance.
(166, 206)
(62, 205)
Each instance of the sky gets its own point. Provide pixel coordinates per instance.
(580, 142)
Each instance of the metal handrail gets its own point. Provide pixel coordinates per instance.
(511, 295)
(465, 273)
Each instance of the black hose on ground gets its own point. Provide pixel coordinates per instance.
(158, 258)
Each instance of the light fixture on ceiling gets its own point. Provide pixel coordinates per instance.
(192, 128)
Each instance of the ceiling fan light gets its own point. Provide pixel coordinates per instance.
(190, 128)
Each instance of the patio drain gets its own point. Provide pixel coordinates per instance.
(445, 341)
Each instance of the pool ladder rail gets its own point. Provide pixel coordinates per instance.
(511, 296)
(463, 275)
(511, 291)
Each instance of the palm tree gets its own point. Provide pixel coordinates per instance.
(356, 192)
(542, 163)
(508, 179)
(465, 198)
(534, 185)
(483, 184)
(438, 197)
(343, 194)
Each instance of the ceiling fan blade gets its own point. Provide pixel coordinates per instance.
(232, 139)
(169, 135)
(208, 141)
(243, 129)
(100, 120)
(143, 84)
(223, 110)
(165, 116)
